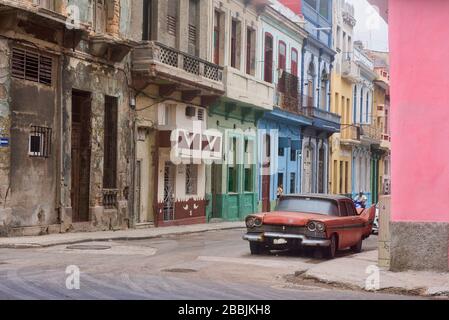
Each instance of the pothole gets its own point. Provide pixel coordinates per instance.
(180, 270)
(88, 247)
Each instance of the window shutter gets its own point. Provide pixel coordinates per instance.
(31, 66)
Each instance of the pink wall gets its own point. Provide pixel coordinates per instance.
(294, 5)
(419, 47)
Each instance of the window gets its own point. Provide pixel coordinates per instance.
(232, 166)
(268, 58)
(293, 156)
(280, 180)
(346, 177)
(172, 17)
(100, 15)
(324, 81)
(47, 4)
(147, 20)
(31, 66)
(200, 114)
(308, 205)
(341, 176)
(281, 152)
(235, 44)
(110, 143)
(292, 183)
(294, 68)
(217, 36)
(193, 26)
(191, 179)
(324, 8)
(250, 51)
(343, 209)
(350, 209)
(338, 38)
(367, 108)
(249, 166)
(40, 142)
(312, 3)
(282, 55)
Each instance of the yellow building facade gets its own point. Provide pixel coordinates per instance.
(342, 83)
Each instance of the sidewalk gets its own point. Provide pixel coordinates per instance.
(131, 234)
(353, 271)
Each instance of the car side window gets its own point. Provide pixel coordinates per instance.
(343, 209)
(350, 209)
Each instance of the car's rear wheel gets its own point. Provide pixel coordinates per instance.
(358, 247)
(257, 248)
(331, 250)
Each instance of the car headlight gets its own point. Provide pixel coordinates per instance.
(250, 222)
(320, 226)
(258, 222)
(313, 226)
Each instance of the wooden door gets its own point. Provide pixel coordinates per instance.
(81, 154)
(266, 207)
(75, 190)
(307, 171)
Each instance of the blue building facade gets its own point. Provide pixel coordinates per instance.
(280, 131)
(317, 58)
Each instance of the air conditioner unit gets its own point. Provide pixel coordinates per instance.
(190, 111)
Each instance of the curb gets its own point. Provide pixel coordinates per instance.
(415, 292)
(110, 238)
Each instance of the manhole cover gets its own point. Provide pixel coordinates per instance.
(180, 270)
(88, 247)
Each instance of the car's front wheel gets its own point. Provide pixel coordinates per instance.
(331, 250)
(257, 248)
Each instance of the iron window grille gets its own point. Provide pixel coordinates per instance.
(191, 179)
(40, 142)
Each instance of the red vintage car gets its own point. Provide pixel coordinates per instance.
(327, 222)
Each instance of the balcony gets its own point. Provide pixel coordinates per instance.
(350, 135)
(383, 78)
(350, 70)
(46, 23)
(371, 134)
(248, 90)
(288, 93)
(385, 142)
(321, 114)
(157, 63)
(348, 13)
(322, 119)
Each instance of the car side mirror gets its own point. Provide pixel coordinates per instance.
(360, 211)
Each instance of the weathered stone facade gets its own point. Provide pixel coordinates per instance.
(39, 110)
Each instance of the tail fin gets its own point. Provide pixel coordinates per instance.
(368, 215)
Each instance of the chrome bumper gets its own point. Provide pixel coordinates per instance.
(260, 237)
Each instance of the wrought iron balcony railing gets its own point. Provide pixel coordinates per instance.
(371, 132)
(155, 51)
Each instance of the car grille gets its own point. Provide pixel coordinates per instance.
(288, 230)
(280, 229)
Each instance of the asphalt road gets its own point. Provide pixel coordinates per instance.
(212, 265)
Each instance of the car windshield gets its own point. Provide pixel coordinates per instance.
(308, 205)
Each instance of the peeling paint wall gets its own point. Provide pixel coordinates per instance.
(5, 121)
(101, 81)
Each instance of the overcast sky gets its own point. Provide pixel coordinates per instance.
(370, 28)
